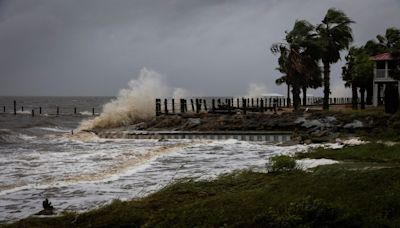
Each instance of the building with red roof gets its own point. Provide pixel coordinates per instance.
(384, 63)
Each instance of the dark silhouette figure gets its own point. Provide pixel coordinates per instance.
(48, 209)
(47, 205)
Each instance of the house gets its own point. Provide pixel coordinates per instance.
(383, 65)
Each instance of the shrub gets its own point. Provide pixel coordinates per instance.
(281, 163)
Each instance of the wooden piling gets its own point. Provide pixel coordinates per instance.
(213, 105)
(158, 107)
(22, 108)
(92, 111)
(205, 104)
(173, 105)
(33, 112)
(197, 106)
(165, 106)
(244, 106)
(4, 108)
(262, 105)
(237, 103)
(15, 107)
(75, 110)
(40, 110)
(185, 104)
(58, 110)
(191, 102)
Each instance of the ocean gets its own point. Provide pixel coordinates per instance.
(41, 158)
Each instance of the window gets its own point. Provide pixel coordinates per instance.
(380, 64)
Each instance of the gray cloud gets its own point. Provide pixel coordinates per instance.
(94, 47)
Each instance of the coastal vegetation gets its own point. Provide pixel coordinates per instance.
(361, 191)
(306, 46)
(359, 73)
(298, 60)
(358, 70)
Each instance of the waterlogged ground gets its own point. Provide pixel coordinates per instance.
(81, 171)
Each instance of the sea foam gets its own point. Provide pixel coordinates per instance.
(132, 105)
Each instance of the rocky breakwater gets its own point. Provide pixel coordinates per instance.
(307, 127)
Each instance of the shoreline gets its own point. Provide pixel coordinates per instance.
(305, 129)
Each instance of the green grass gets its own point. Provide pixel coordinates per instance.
(371, 152)
(330, 196)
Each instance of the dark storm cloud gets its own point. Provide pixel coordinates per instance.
(211, 47)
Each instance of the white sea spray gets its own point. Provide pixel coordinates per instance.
(132, 105)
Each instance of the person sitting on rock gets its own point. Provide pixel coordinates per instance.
(47, 205)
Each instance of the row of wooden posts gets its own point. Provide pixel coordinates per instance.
(219, 105)
(231, 105)
(40, 110)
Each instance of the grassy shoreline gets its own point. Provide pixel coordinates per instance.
(363, 190)
(329, 196)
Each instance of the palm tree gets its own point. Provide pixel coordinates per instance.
(335, 35)
(298, 57)
(280, 81)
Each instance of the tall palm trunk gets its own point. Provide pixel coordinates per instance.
(288, 95)
(354, 99)
(362, 94)
(326, 85)
(304, 95)
(296, 97)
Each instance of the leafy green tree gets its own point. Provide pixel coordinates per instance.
(347, 75)
(358, 73)
(298, 58)
(335, 35)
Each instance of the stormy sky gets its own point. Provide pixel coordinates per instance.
(209, 47)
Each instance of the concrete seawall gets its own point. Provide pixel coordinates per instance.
(268, 136)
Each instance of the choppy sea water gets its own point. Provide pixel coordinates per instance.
(40, 158)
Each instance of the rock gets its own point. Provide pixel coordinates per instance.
(289, 143)
(321, 140)
(354, 124)
(46, 212)
(194, 121)
(307, 141)
(331, 119)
